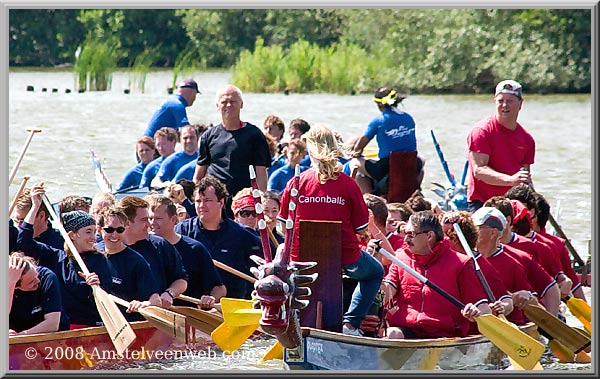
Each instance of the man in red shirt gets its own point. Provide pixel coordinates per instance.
(498, 148)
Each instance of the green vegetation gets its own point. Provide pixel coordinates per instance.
(95, 65)
(324, 50)
(140, 68)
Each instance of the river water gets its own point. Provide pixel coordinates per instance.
(110, 122)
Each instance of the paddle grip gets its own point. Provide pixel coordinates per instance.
(13, 172)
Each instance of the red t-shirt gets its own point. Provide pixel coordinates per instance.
(514, 278)
(335, 200)
(564, 257)
(539, 279)
(508, 151)
(538, 251)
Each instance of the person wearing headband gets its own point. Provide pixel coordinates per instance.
(394, 130)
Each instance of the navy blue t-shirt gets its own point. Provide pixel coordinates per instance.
(232, 244)
(132, 279)
(51, 237)
(198, 263)
(29, 307)
(163, 258)
(78, 299)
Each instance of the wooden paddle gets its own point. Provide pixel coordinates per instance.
(118, 328)
(205, 321)
(13, 172)
(272, 238)
(19, 192)
(486, 287)
(169, 322)
(524, 349)
(233, 271)
(563, 333)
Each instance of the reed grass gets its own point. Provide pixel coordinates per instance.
(140, 68)
(305, 67)
(94, 65)
(186, 64)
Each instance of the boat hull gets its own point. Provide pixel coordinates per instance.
(323, 350)
(92, 348)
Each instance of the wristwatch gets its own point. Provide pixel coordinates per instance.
(170, 293)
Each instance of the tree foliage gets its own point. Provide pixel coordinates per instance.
(419, 50)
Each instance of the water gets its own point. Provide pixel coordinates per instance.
(111, 121)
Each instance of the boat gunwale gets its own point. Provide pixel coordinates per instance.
(404, 343)
(70, 334)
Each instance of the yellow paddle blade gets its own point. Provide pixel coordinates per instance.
(239, 312)
(583, 357)
(275, 352)
(561, 352)
(582, 311)
(523, 349)
(513, 363)
(229, 339)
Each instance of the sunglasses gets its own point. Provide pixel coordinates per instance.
(110, 229)
(412, 234)
(245, 213)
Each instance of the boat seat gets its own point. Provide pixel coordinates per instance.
(402, 177)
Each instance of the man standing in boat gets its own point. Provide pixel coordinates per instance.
(227, 149)
(395, 131)
(172, 112)
(498, 148)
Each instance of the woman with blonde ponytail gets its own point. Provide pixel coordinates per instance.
(326, 193)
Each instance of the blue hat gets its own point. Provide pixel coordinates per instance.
(188, 83)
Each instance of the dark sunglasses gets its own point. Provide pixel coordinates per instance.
(110, 229)
(245, 213)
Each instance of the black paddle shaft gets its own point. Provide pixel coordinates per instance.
(420, 277)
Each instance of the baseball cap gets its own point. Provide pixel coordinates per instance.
(489, 216)
(510, 87)
(188, 83)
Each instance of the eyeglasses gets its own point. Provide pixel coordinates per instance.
(110, 229)
(245, 213)
(412, 234)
